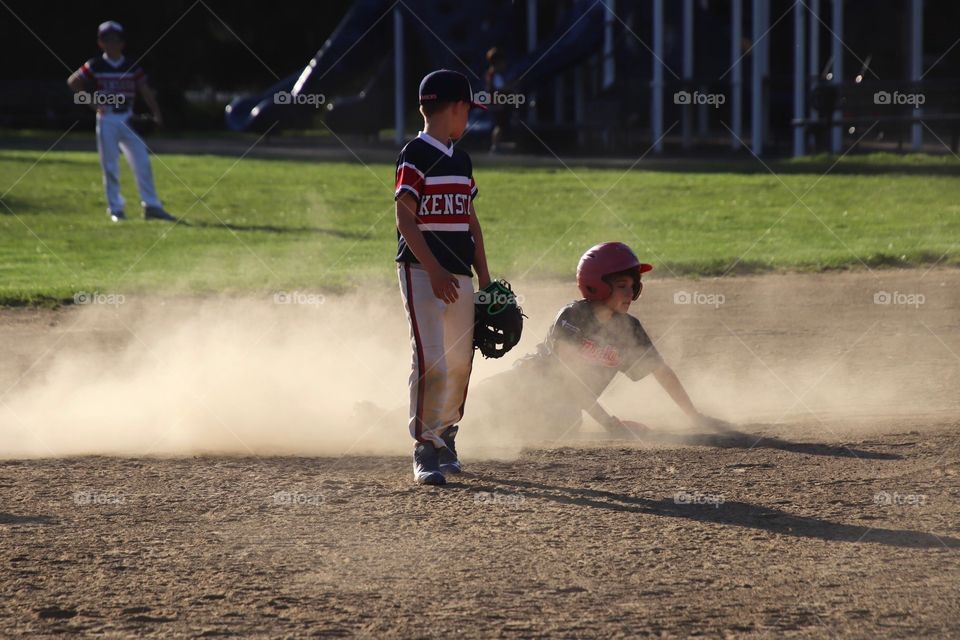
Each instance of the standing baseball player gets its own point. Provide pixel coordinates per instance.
(110, 84)
(439, 243)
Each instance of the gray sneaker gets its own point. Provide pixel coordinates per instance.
(426, 468)
(157, 213)
(449, 462)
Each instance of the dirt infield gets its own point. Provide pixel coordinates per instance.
(831, 509)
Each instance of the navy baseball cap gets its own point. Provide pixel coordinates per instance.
(445, 85)
(108, 27)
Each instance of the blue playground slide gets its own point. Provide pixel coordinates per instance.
(576, 38)
(354, 68)
(362, 35)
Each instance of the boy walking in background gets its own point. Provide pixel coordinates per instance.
(439, 244)
(110, 84)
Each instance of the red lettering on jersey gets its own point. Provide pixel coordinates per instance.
(603, 355)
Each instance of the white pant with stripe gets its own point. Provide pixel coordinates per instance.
(441, 338)
(114, 135)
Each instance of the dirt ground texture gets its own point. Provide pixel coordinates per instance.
(830, 510)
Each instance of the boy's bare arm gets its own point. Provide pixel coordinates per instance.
(443, 283)
(151, 99)
(604, 419)
(76, 82)
(479, 252)
(672, 385)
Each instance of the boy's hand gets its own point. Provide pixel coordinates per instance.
(158, 118)
(444, 285)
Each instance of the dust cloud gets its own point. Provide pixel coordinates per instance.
(316, 375)
(220, 376)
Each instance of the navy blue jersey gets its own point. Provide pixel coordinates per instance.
(440, 178)
(620, 344)
(114, 78)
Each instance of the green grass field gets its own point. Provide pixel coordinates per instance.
(266, 225)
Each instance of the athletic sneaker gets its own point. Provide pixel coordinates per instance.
(426, 465)
(117, 216)
(449, 462)
(157, 213)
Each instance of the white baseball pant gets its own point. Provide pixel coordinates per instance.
(441, 338)
(114, 135)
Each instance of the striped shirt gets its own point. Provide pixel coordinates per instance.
(440, 178)
(114, 77)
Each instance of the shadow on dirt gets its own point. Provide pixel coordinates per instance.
(734, 439)
(740, 514)
(267, 228)
(9, 518)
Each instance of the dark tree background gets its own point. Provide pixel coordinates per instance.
(210, 50)
(226, 47)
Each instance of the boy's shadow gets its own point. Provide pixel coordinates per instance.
(266, 228)
(10, 518)
(739, 514)
(735, 439)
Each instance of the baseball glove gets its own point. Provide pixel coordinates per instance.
(498, 320)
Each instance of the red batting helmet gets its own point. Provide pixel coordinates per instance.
(604, 260)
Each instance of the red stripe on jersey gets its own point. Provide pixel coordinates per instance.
(444, 219)
(407, 176)
(446, 187)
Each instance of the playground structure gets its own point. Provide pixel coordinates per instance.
(590, 81)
